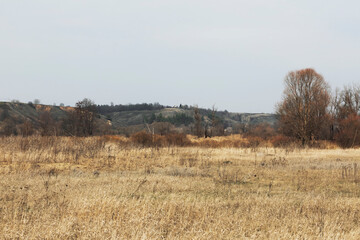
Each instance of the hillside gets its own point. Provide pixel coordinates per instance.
(131, 118)
(19, 112)
(126, 120)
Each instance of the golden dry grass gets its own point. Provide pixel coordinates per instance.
(92, 188)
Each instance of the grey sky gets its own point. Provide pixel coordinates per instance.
(234, 54)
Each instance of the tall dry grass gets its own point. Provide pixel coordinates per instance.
(108, 188)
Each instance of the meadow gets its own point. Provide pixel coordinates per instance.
(109, 188)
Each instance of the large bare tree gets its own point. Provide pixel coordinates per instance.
(303, 111)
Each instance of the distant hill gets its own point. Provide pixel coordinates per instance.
(19, 112)
(127, 119)
(131, 118)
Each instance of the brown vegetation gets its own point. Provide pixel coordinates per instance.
(347, 116)
(198, 128)
(303, 111)
(145, 139)
(307, 115)
(107, 187)
(349, 131)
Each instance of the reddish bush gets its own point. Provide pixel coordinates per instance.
(264, 131)
(254, 142)
(142, 138)
(349, 134)
(145, 139)
(324, 144)
(281, 141)
(177, 139)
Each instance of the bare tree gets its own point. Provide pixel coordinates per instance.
(85, 114)
(347, 102)
(198, 122)
(27, 128)
(162, 128)
(304, 108)
(346, 110)
(261, 130)
(4, 113)
(48, 126)
(9, 127)
(213, 122)
(217, 127)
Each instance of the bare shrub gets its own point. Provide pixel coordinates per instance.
(153, 140)
(324, 144)
(349, 135)
(48, 126)
(264, 131)
(162, 128)
(281, 141)
(9, 128)
(254, 142)
(27, 128)
(142, 138)
(177, 139)
(145, 139)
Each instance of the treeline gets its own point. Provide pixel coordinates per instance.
(105, 109)
(178, 119)
(310, 112)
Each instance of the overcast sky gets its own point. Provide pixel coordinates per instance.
(234, 54)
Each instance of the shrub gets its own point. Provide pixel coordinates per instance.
(177, 139)
(254, 142)
(263, 130)
(349, 135)
(142, 138)
(145, 139)
(324, 144)
(281, 141)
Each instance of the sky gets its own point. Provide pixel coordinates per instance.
(233, 54)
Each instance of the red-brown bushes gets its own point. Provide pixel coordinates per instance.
(153, 140)
(264, 131)
(281, 141)
(349, 135)
(146, 139)
(324, 144)
(177, 139)
(253, 142)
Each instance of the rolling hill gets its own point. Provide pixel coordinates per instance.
(131, 119)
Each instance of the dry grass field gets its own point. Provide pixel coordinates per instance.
(92, 188)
